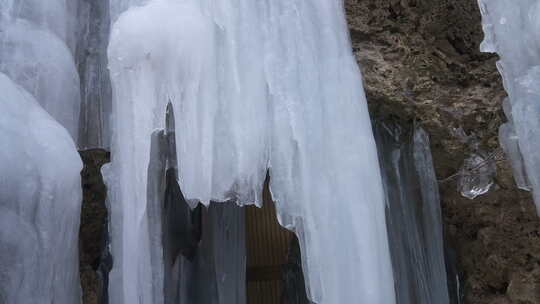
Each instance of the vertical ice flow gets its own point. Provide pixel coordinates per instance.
(40, 197)
(414, 215)
(255, 85)
(93, 30)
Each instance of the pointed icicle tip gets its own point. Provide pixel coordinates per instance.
(169, 119)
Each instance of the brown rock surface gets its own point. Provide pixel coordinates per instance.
(421, 61)
(93, 220)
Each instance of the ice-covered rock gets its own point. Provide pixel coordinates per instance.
(511, 29)
(414, 215)
(256, 86)
(40, 199)
(91, 59)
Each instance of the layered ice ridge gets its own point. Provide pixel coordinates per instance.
(37, 42)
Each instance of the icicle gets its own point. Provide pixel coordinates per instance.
(414, 215)
(511, 29)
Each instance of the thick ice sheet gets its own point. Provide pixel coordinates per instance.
(255, 85)
(414, 215)
(511, 30)
(36, 45)
(40, 198)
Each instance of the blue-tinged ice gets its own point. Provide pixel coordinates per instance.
(40, 200)
(256, 86)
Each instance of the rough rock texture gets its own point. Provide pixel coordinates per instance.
(421, 61)
(93, 223)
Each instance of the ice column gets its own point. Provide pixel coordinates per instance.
(91, 58)
(511, 30)
(36, 45)
(414, 215)
(40, 197)
(255, 85)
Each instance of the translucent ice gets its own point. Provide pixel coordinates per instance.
(476, 176)
(40, 197)
(511, 29)
(414, 215)
(256, 86)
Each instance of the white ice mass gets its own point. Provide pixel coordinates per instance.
(511, 30)
(255, 85)
(36, 44)
(40, 187)
(40, 198)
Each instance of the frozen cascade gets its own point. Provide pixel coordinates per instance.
(37, 42)
(255, 85)
(40, 197)
(511, 30)
(413, 214)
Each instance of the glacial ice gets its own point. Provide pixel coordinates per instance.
(511, 30)
(36, 45)
(256, 86)
(413, 214)
(40, 197)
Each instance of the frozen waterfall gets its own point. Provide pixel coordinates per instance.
(40, 197)
(511, 30)
(256, 86)
(40, 187)
(201, 102)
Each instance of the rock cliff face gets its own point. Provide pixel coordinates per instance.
(421, 61)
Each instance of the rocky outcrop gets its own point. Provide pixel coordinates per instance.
(421, 62)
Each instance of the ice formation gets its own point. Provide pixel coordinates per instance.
(36, 45)
(256, 86)
(510, 144)
(91, 58)
(511, 30)
(414, 215)
(476, 176)
(40, 197)
(195, 256)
